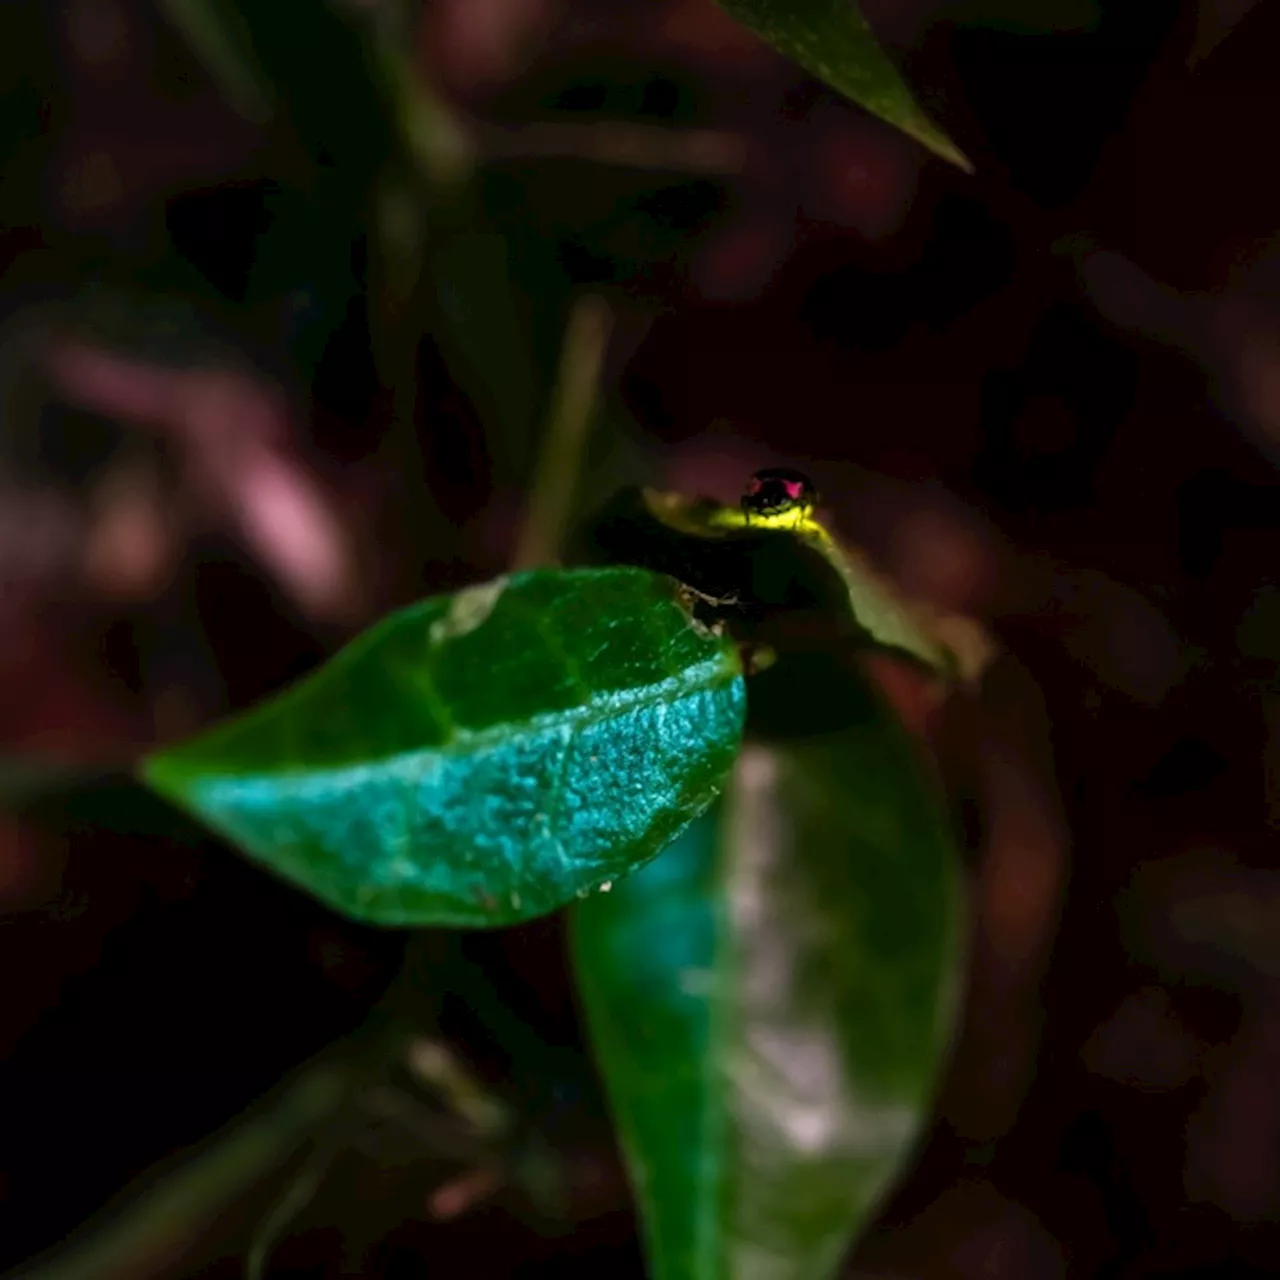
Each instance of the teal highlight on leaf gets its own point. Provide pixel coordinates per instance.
(482, 758)
(771, 999)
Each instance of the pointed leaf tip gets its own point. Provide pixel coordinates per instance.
(831, 40)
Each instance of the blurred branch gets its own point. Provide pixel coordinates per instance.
(297, 1196)
(157, 1227)
(233, 430)
(463, 1194)
(573, 405)
(436, 138)
(696, 151)
(435, 1066)
(220, 41)
(157, 1224)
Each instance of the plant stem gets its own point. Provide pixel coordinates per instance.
(616, 142)
(300, 1192)
(160, 1224)
(573, 404)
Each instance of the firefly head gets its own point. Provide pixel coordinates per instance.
(779, 491)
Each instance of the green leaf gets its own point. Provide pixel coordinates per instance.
(479, 759)
(770, 1001)
(831, 40)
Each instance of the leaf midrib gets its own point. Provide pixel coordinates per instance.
(701, 677)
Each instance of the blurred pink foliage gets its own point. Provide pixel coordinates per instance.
(233, 434)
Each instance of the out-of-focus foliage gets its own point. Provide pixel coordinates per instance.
(762, 572)
(831, 39)
(770, 1001)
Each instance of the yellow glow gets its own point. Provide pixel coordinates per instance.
(796, 519)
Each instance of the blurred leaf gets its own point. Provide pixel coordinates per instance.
(479, 759)
(441, 147)
(951, 644)
(141, 320)
(771, 571)
(486, 340)
(338, 92)
(27, 80)
(306, 262)
(1045, 17)
(321, 63)
(1215, 21)
(159, 1221)
(389, 160)
(831, 40)
(26, 781)
(770, 1001)
(574, 407)
(221, 41)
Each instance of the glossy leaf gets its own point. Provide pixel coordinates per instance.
(770, 1001)
(831, 40)
(479, 759)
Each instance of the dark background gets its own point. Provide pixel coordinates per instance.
(1047, 393)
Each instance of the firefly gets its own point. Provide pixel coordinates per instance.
(779, 496)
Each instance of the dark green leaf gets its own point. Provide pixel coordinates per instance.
(769, 573)
(831, 40)
(770, 1000)
(487, 342)
(479, 759)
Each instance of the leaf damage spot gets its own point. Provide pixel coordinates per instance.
(469, 610)
(756, 658)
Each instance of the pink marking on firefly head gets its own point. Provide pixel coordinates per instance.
(794, 488)
(754, 485)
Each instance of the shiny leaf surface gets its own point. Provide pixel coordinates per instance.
(770, 1000)
(479, 759)
(831, 40)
